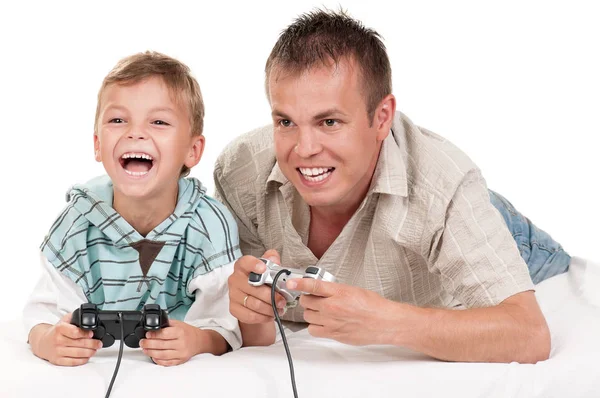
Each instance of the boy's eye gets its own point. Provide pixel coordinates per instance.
(160, 123)
(116, 120)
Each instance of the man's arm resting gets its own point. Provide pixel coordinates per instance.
(258, 334)
(512, 331)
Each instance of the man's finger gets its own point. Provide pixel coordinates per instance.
(314, 317)
(250, 317)
(255, 304)
(247, 264)
(313, 286)
(317, 331)
(273, 256)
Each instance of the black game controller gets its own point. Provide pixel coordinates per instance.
(106, 327)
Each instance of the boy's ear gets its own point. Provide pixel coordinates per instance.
(97, 154)
(195, 152)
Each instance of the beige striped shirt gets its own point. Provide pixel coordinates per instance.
(425, 234)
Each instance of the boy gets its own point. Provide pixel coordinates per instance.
(143, 233)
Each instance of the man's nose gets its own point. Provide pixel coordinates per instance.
(308, 143)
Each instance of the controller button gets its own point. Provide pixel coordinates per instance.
(88, 320)
(312, 270)
(254, 277)
(152, 321)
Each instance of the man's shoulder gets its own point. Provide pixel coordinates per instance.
(252, 151)
(434, 162)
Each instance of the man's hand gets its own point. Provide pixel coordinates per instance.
(344, 313)
(252, 304)
(179, 342)
(63, 344)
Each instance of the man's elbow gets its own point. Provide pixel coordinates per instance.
(537, 346)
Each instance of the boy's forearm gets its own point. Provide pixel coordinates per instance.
(261, 334)
(35, 335)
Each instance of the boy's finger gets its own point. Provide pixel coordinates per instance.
(75, 352)
(162, 354)
(67, 317)
(67, 361)
(73, 332)
(92, 344)
(167, 362)
(156, 344)
(169, 333)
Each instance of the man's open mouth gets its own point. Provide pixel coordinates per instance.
(315, 174)
(136, 163)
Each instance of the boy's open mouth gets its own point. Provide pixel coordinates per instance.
(136, 163)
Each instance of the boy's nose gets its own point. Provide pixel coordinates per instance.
(137, 134)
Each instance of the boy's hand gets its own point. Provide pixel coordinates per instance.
(63, 344)
(177, 343)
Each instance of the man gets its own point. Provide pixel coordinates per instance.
(421, 253)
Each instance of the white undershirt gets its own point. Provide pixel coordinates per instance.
(56, 295)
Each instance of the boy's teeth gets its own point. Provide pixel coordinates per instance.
(136, 156)
(136, 173)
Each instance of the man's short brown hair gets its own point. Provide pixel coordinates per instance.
(176, 75)
(318, 37)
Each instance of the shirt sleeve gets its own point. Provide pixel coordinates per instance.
(250, 243)
(474, 251)
(53, 296)
(210, 309)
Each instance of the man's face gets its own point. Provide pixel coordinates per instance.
(144, 138)
(324, 141)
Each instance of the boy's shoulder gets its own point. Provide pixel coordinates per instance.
(72, 222)
(214, 221)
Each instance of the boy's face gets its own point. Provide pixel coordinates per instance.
(144, 138)
(324, 141)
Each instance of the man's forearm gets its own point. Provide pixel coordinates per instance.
(210, 341)
(260, 334)
(504, 333)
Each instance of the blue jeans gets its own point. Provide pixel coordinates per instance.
(545, 258)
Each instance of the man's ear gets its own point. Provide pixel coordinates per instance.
(384, 116)
(97, 154)
(195, 152)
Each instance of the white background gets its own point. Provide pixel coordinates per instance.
(515, 85)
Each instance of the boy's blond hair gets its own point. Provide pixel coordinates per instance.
(176, 75)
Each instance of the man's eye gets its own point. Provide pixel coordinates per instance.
(330, 122)
(285, 123)
(160, 123)
(116, 120)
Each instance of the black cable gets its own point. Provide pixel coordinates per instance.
(285, 344)
(120, 355)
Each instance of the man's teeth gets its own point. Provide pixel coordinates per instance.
(135, 155)
(315, 174)
(315, 171)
